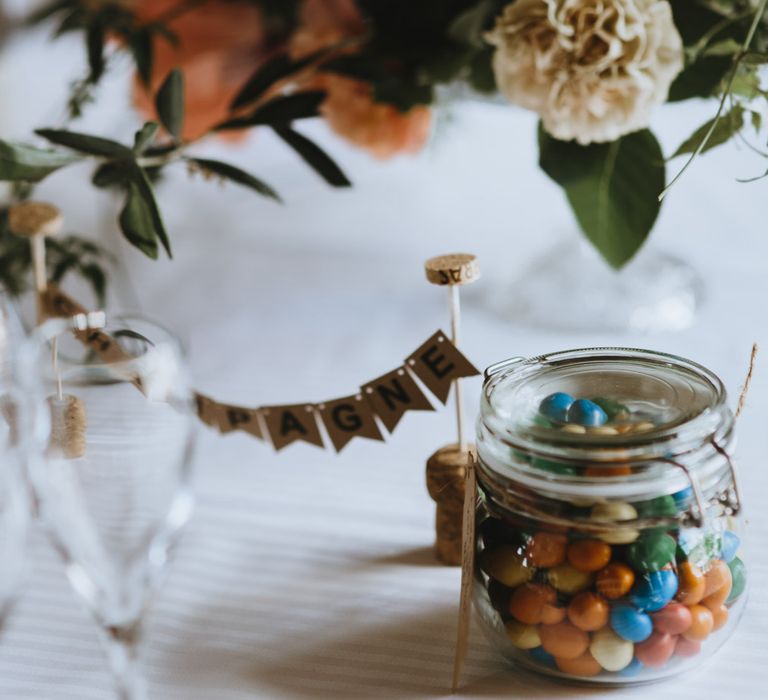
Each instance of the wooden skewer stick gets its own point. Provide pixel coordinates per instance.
(446, 468)
(454, 271)
(36, 221)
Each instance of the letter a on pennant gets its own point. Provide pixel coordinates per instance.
(437, 363)
(391, 395)
(347, 418)
(287, 424)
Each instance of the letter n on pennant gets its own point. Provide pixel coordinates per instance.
(347, 418)
(437, 363)
(287, 424)
(394, 393)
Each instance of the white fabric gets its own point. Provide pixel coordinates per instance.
(309, 575)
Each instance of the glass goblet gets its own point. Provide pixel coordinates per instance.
(113, 475)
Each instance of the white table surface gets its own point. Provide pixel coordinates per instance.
(309, 575)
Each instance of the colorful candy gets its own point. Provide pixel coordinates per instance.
(717, 584)
(615, 580)
(588, 611)
(702, 623)
(568, 580)
(587, 413)
(656, 650)
(687, 648)
(589, 555)
(555, 406)
(546, 549)
(523, 636)
(564, 640)
(653, 591)
(528, 601)
(611, 651)
(614, 512)
(584, 665)
(730, 546)
(739, 578)
(507, 565)
(673, 618)
(691, 584)
(651, 552)
(543, 657)
(630, 623)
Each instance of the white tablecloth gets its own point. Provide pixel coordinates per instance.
(309, 575)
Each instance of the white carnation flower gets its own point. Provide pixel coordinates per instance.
(593, 69)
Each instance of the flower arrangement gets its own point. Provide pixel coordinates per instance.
(593, 70)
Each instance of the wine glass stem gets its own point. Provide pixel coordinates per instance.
(122, 645)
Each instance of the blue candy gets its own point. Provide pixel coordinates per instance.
(731, 544)
(555, 406)
(633, 669)
(654, 590)
(543, 657)
(587, 413)
(631, 624)
(684, 497)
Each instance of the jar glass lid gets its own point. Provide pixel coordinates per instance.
(608, 398)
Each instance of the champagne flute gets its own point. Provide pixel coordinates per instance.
(14, 494)
(113, 475)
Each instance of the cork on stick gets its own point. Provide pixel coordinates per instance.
(453, 271)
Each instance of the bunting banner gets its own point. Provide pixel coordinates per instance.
(374, 410)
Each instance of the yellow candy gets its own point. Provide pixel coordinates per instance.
(506, 565)
(523, 636)
(611, 651)
(569, 580)
(575, 429)
(611, 512)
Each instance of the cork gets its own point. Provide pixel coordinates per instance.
(30, 219)
(446, 470)
(68, 426)
(453, 269)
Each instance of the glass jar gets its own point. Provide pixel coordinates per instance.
(608, 527)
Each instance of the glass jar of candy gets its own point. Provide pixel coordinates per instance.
(608, 526)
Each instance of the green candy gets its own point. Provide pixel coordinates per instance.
(739, 575)
(554, 467)
(612, 408)
(661, 507)
(542, 422)
(652, 552)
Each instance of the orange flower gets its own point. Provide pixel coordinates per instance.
(379, 128)
(350, 108)
(220, 43)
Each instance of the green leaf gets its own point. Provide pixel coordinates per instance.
(137, 222)
(746, 83)
(279, 67)
(701, 79)
(314, 156)
(92, 145)
(235, 174)
(170, 103)
(469, 26)
(726, 47)
(278, 111)
(97, 278)
(141, 179)
(94, 41)
(613, 188)
(481, 75)
(757, 121)
(144, 137)
(142, 49)
(22, 162)
(729, 124)
(111, 174)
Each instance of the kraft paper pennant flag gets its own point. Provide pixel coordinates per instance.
(231, 418)
(394, 393)
(207, 410)
(287, 424)
(437, 363)
(347, 418)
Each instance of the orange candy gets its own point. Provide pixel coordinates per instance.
(588, 612)
(551, 615)
(563, 640)
(584, 665)
(702, 623)
(720, 617)
(717, 585)
(589, 555)
(691, 584)
(597, 470)
(546, 550)
(615, 580)
(528, 602)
